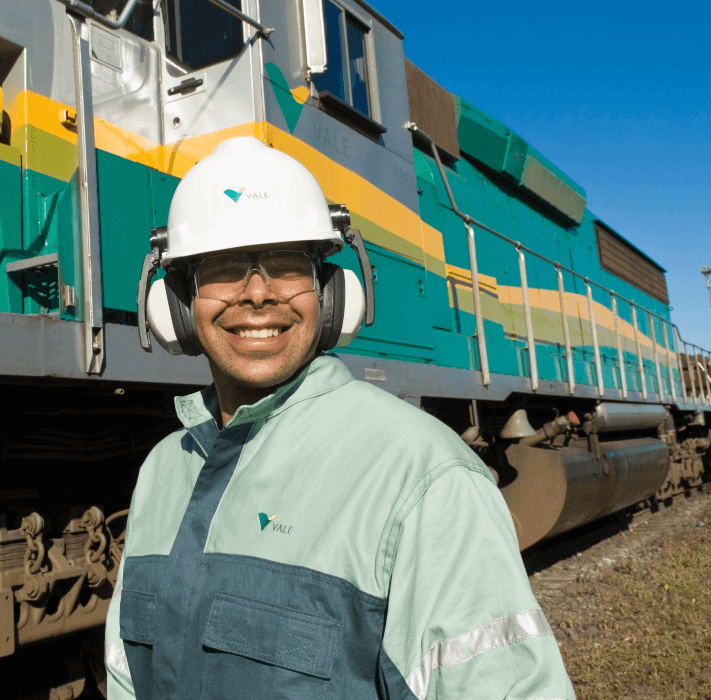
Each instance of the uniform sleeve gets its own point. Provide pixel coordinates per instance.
(462, 621)
(118, 677)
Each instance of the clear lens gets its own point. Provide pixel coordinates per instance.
(285, 272)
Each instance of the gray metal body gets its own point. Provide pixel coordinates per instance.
(610, 417)
(131, 83)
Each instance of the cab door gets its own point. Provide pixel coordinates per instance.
(207, 95)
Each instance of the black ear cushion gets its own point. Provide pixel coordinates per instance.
(177, 286)
(333, 290)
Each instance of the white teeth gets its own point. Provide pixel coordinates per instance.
(259, 333)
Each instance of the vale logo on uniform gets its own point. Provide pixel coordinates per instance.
(265, 519)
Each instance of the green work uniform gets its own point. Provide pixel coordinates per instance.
(331, 541)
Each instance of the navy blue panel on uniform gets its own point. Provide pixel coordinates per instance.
(142, 578)
(391, 684)
(185, 578)
(297, 641)
(226, 625)
(255, 628)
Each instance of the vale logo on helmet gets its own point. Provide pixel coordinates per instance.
(235, 195)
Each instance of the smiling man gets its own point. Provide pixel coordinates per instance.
(305, 535)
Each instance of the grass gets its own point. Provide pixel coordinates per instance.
(655, 629)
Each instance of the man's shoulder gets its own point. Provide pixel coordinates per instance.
(381, 421)
(167, 454)
(374, 404)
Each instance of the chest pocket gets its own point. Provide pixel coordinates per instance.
(136, 630)
(260, 650)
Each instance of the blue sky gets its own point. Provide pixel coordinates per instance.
(615, 94)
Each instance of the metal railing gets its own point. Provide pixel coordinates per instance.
(699, 373)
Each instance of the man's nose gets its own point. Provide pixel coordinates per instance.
(257, 291)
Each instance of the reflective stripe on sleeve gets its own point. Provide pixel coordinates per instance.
(491, 635)
(115, 657)
(117, 590)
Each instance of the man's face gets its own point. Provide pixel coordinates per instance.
(226, 332)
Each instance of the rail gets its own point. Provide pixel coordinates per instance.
(699, 374)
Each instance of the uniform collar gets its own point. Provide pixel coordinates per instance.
(323, 374)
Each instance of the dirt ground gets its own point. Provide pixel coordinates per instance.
(632, 613)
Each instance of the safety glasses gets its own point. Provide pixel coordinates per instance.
(286, 273)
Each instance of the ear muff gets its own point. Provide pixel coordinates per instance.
(353, 309)
(169, 314)
(343, 307)
(333, 293)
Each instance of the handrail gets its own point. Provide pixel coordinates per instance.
(87, 178)
(566, 331)
(692, 375)
(653, 336)
(669, 366)
(620, 353)
(702, 389)
(530, 340)
(264, 31)
(483, 356)
(596, 346)
(677, 343)
(521, 248)
(80, 8)
(481, 340)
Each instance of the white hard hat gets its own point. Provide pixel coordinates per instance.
(247, 194)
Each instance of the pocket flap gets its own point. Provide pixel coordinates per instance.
(136, 619)
(274, 634)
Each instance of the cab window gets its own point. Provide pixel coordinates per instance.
(200, 34)
(346, 75)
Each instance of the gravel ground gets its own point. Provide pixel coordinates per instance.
(632, 613)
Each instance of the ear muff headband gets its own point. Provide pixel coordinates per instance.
(180, 298)
(333, 292)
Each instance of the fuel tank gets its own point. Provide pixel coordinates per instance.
(551, 490)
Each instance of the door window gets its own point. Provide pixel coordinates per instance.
(200, 34)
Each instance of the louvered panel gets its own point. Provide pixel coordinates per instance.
(432, 109)
(622, 260)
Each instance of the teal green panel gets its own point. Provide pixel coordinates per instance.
(452, 350)
(440, 312)
(436, 284)
(480, 136)
(547, 364)
(41, 221)
(125, 219)
(402, 326)
(10, 235)
(162, 189)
